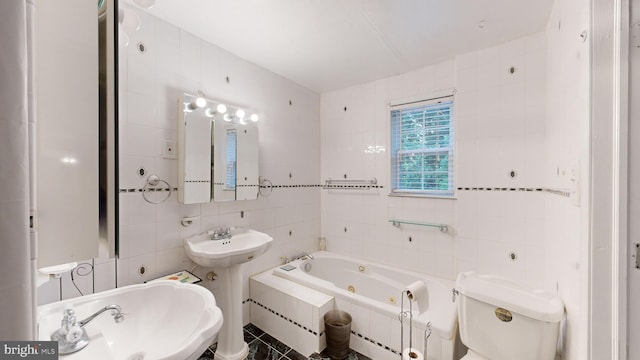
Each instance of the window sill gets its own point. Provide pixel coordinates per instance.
(417, 195)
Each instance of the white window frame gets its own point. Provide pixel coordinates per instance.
(394, 153)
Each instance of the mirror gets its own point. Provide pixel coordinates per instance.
(216, 141)
(235, 161)
(194, 150)
(75, 184)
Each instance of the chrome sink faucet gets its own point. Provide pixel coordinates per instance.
(72, 337)
(221, 234)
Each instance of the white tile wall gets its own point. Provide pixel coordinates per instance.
(492, 138)
(174, 62)
(566, 244)
(505, 121)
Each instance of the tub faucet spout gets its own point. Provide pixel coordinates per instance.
(302, 256)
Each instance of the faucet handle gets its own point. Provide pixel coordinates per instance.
(69, 317)
(74, 333)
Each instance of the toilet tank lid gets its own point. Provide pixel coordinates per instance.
(504, 293)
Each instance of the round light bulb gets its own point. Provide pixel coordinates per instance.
(227, 117)
(201, 102)
(221, 108)
(254, 117)
(209, 112)
(240, 113)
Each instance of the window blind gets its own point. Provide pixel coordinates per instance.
(230, 158)
(422, 148)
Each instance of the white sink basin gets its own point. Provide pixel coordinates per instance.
(244, 245)
(162, 320)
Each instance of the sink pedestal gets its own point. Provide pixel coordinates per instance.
(231, 345)
(225, 256)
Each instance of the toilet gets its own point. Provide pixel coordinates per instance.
(501, 320)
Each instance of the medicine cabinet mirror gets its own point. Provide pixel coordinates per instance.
(218, 151)
(235, 161)
(194, 151)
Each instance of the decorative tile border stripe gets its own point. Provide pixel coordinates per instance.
(271, 186)
(559, 192)
(375, 342)
(323, 186)
(197, 181)
(288, 186)
(147, 190)
(381, 345)
(498, 189)
(286, 318)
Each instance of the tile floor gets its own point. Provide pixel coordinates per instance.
(263, 346)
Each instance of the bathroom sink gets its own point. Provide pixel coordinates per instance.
(162, 320)
(242, 246)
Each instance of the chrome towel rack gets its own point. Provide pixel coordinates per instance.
(351, 184)
(443, 227)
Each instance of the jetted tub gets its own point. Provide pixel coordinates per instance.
(378, 288)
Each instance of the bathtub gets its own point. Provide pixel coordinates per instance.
(379, 289)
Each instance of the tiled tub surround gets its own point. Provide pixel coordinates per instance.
(278, 303)
(290, 312)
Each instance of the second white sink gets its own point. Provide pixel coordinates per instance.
(163, 320)
(244, 245)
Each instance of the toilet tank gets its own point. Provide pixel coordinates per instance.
(501, 320)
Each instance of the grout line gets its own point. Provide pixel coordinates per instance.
(271, 347)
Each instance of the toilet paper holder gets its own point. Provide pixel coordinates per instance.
(411, 353)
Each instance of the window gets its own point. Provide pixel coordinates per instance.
(230, 160)
(422, 153)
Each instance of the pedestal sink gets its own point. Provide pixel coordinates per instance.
(225, 255)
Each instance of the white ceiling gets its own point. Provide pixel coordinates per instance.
(331, 44)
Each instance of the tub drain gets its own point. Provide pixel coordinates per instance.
(392, 300)
(351, 289)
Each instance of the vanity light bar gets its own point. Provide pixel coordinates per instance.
(212, 108)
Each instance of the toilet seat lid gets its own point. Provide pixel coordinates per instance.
(471, 355)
